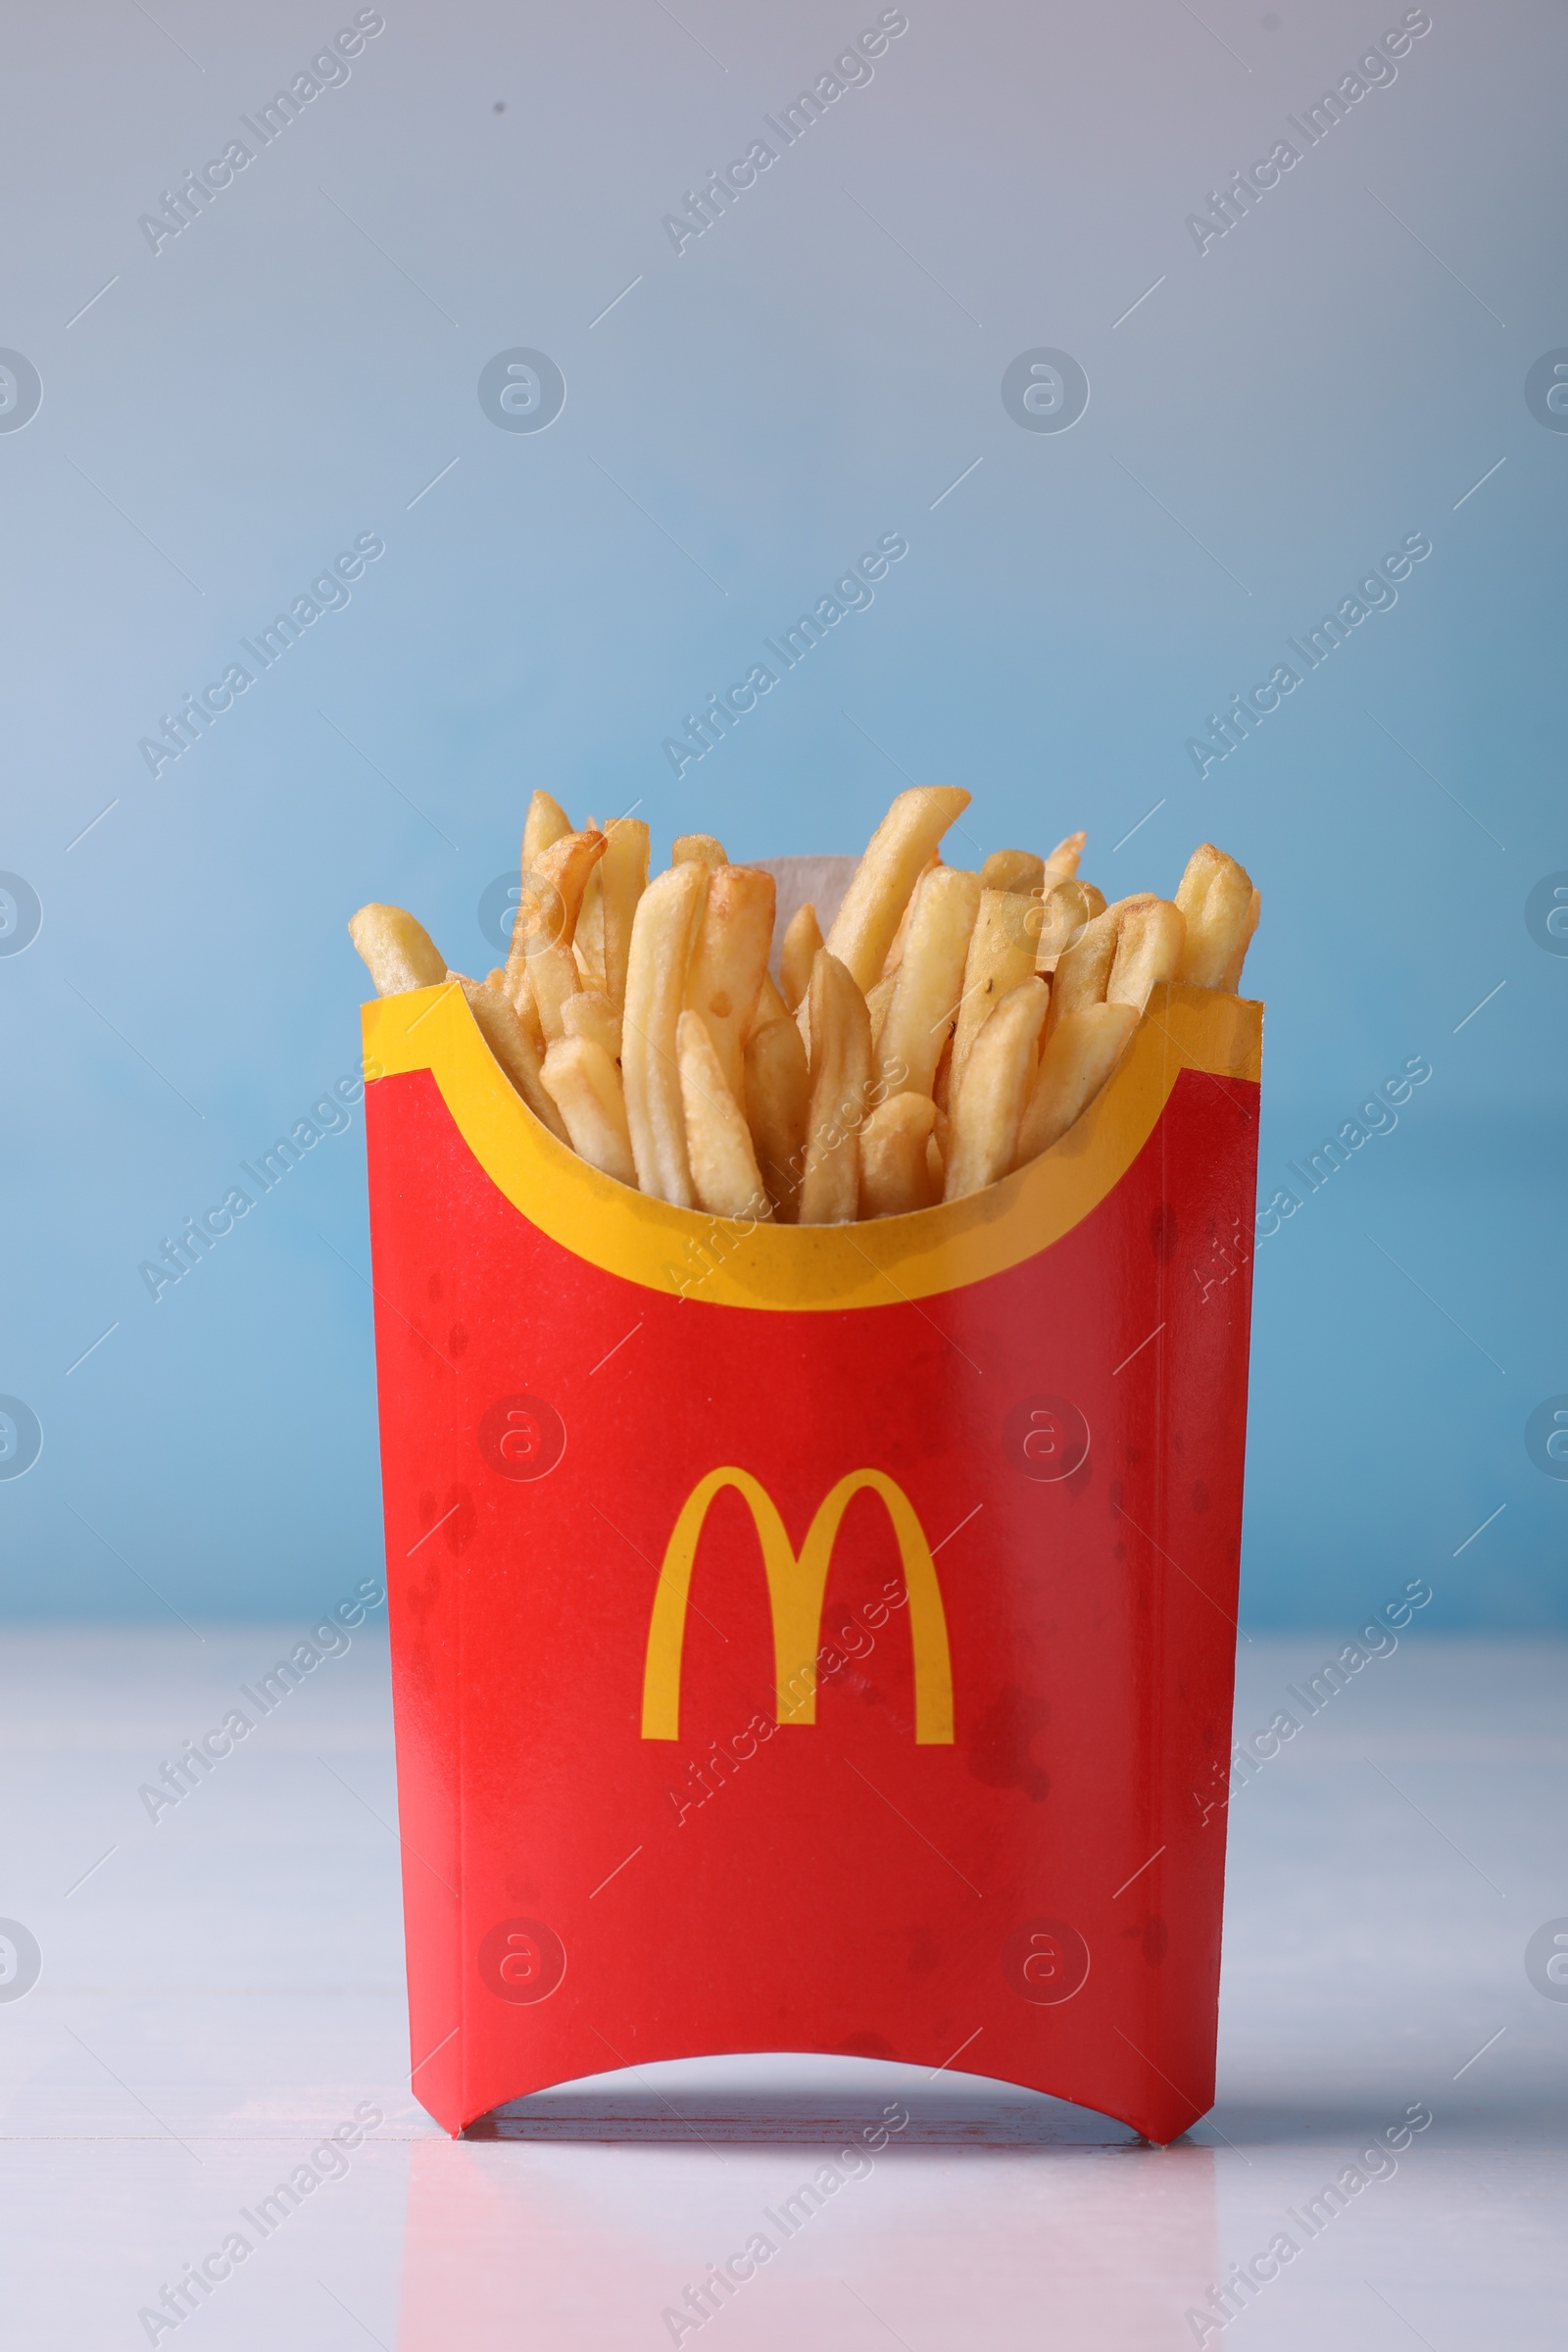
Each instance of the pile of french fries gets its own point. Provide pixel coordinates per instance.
(951, 1027)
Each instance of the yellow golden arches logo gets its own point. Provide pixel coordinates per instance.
(795, 1590)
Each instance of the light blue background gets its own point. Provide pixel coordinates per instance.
(808, 374)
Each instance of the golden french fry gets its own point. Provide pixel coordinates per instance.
(1001, 956)
(553, 979)
(1233, 970)
(1063, 863)
(769, 1005)
(546, 823)
(878, 1005)
(935, 1166)
(1018, 870)
(590, 1013)
(624, 877)
(895, 954)
(551, 901)
(397, 951)
(841, 1074)
(665, 926)
(513, 1048)
(1215, 895)
(778, 1094)
(542, 967)
(522, 1004)
(587, 949)
(1063, 911)
(725, 1177)
(929, 980)
(730, 960)
(588, 937)
(1078, 1057)
(1083, 970)
(701, 846)
(1097, 900)
(803, 935)
(1149, 936)
(864, 926)
(895, 1168)
(942, 1086)
(558, 879)
(995, 1089)
(586, 1089)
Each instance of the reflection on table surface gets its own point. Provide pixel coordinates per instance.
(822, 2201)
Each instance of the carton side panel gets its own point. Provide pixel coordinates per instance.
(428, 1519)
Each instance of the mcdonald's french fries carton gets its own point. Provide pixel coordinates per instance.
(814, 1637)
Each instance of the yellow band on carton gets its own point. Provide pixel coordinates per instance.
(726, 1262)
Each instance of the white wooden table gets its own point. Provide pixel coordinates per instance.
(221, 1988)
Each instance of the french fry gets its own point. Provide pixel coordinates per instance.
(1078, 1057)
(522, 1004)
(778, 1094)
(1150, 937)
(725, 1177)
(1232, 981)
(878, 1003)
(841, 1073)
(513, 1048)
(547, 914)
(995, 1089)
(542, 963)
(558, 879)
(588, 937)
(864, 926)
(894, 1171)
(553, 980)
(895, 954)
(588, 948)
(624, 877)
(397, 951)
(1096, 897)
(1063, 863)
(701, 846)
(545, 823)
(1082, 971)
(929, 980)
(1063, 911)
(585, 1087)
(1002, 954)
(942, 1083)
(665, 924)
(1018, 870)
(1215, 895)
(729, 958)
(590, 1013)
(769, 1005)
(803, 935)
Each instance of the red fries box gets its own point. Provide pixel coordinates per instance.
(814, 1637)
